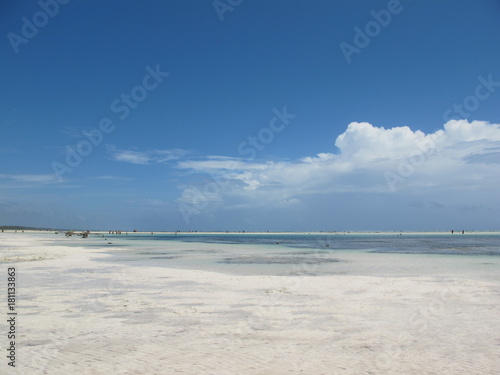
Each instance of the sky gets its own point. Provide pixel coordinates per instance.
(284, 115)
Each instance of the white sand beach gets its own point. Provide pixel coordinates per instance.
(78, 315)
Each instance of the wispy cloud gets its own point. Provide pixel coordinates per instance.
(145, 157)
(30, 178)
(129, 156)
(13, 181)
(71, 131)
(219, 163)
(111, 178)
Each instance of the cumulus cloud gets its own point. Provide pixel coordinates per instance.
(369, 159)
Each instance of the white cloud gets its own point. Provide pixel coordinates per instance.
(111, 178)
(132, 157)
(72, 132)
(30, 178)
(219, 163)
(145, 157)
(365, 142)
(462, 155)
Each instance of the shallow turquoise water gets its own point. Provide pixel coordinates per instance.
(473, 255)
(457, 244)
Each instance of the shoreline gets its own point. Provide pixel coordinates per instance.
(324, 233)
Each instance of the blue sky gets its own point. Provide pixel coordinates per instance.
(250, 115)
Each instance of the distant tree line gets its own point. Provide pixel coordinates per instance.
(18, 227)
